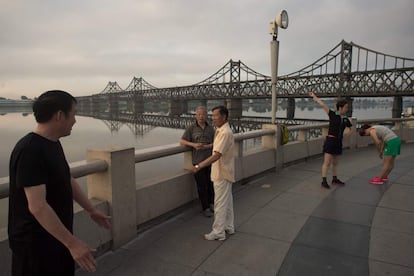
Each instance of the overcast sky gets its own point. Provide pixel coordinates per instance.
(80, 45)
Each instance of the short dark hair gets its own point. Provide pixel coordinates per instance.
(363, 128)
(51, 102)
(222, 110)
(341, 103)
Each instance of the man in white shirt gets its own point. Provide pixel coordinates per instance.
(222, 175)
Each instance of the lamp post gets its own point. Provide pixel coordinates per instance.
(281, 21)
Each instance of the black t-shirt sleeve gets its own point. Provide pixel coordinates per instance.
(31, 168)
(348, 123)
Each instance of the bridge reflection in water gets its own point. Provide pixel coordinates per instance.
(140, 124)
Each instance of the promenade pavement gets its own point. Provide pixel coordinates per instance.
(286, 224)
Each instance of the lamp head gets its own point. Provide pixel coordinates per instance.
(282, 20)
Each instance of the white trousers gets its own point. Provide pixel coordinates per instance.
(223, 207)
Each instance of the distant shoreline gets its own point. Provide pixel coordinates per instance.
(5, 104)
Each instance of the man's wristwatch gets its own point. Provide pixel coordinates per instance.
(197, 166)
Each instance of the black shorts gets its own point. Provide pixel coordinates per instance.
(41, 259)
(332, 145)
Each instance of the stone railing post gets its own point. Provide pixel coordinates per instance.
(117, 186)
(273, 142)
(354, 134)
(325, 131)
(238, 149)
(188, 160)
(302, 135)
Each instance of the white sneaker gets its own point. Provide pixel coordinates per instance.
(213, 236)
(230, 231)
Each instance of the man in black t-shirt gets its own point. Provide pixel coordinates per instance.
(41, 196)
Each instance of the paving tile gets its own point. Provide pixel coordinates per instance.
(244, 254)
(309, 261)
(405, 179)
(344, 211)
(311, 187)
(361, 192)
(279, 182)
(144, 264)
(385, 269)
(335, 236)
(295, 203)
(179, 245)
(243, 213)
(394, 220)
(296, 173)
(392, 247)
(260, 195)
(399, 197)
(278, 225)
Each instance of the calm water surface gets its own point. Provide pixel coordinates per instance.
(89, 133)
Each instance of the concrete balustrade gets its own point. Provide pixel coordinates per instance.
(112, 187)
(116, 186)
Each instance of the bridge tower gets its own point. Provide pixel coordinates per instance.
(175, 106)
(234, 103)
(113, 103)
(290, 110)
(138, 103)
(397, 107)
(345, 75)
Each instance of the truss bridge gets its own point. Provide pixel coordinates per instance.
(348, 70)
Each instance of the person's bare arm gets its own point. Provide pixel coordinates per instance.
(184, 142)
(378, 143)
(46, 216)
(319, 101)
(100, 218)
(210, 160)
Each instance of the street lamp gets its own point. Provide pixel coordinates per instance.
(281, 21)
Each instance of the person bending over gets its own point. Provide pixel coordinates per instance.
(388, 146)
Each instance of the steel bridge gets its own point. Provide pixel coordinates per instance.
(348, 70)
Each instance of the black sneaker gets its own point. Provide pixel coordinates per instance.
(337, 182)
(207, 213)
(325, 185)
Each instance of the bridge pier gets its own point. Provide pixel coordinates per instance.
(397, 107)
(89, 103)
(184, 107)
(138, 103)
(235, 107)
(290, 111)
(203, 102)
(175, 107)
(154, 106)
(113, 102)
(100, 103)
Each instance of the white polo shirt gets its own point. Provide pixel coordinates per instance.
(223, 169)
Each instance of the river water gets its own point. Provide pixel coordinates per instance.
(90, 133)
(94, 133)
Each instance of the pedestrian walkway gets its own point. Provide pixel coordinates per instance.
(286, 224)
